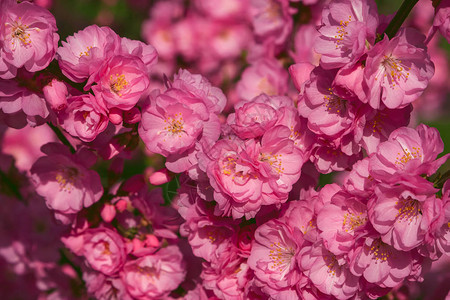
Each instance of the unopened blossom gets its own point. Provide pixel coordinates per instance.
(397, 70)
(154, 275)
(29, 38)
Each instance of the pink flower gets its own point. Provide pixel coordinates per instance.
(397, 70)
(103, 249)
(55, 94)
(172, 122)
(271, 19)
(329, 273)
(84, 117)
(442, 19)
(327, 113)
(408, 151)
(85, 51)
(29, 38)
(347, 27)
(246, 175)
(200, 87)
(137, 49)
(341, 222)
(273, 256)
(264, 76)
(65, 181)
(380, 263)
(121, 82)
(403, 213)
(156, 275)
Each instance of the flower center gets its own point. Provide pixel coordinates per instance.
(394, 70)
(352, 221)
(408, 209)
(380, 251)
(266, 87)
(281, 256)
(402, 160)
(341, 32)
(333, 103)
(118, 83)
(273, 160)
(66, 178)
(175, 124)
(85, 53)
(19, 33)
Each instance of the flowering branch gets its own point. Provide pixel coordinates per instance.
(398, 19)
(61, 137)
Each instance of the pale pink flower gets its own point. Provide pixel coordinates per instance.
(403, 213)
(29, 38)
(397, 70)
(156, 275)
(341, 222)
(264, 76)
(85, 51)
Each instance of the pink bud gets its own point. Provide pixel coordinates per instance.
(160, 177)
(108, 213)
(300, 73)
(121, 205)
(132, 116)
(56, 94)
(152, 241)
(115, 116)
(137, 244)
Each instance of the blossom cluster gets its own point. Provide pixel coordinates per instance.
(226, 201)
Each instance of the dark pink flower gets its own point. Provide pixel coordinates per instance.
(65, 181)
(29, 38)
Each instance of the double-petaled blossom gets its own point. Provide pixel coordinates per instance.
(347, 29)
(65, 181)
(273, 257)
(248, 174)
(103, 248)
(403, 214)
(155, 275)
(84, 52)
(29, 38)
(397, 70)
(84, 117)
(408, 151)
